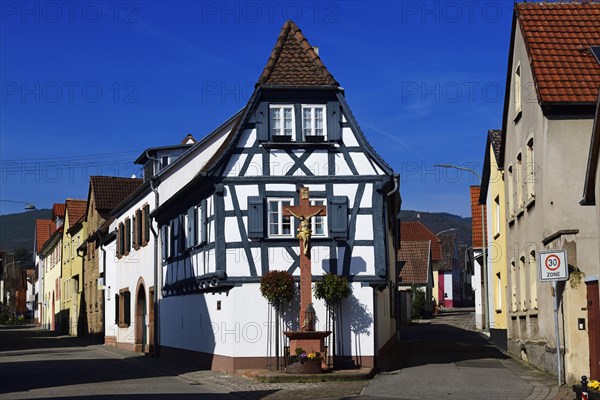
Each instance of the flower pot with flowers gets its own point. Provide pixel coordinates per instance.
(304, 363)
(592, 387)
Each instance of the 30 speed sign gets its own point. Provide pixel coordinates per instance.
(553, 265)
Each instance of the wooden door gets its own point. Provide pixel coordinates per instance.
(593, 309)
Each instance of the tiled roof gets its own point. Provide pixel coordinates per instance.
(476, 218)
(43, 231)
(414, 257)
(58, 210)
(294, 62)
(558, 37)
(448, 245)
(110, 191)
(496, 141)
(76, 210)
(415, 231)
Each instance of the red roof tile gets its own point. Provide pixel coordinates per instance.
(43, 230)
(414, 231)
(558, 37)
(76, 210)
(58, 210)
(294, 62)
(476, 218)
(110, 191)
(414, 257)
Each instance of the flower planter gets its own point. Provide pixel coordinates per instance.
(306, 367)
(592, 394)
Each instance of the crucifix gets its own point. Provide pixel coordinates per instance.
(304, 213)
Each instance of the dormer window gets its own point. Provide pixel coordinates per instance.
(282, 120)
(313, 120)
(164, 161)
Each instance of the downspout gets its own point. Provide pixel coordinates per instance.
(157, 276)
(104, 291)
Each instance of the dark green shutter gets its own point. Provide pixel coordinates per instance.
(337, 210)
(334, 118)
(262, 122)
(127, 308)
(191, 228)
(117, 309)
(256, 207)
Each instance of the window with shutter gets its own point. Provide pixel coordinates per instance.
(127, 236)
(191, 227)
(146, 223)
(138, 228)
(117, 306)
(134, 236)
(127, 308)
(256, 217)
(338, 217)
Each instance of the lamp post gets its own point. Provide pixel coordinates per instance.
(486, 313)
(28, 206)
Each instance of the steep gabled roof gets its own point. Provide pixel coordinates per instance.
(415, 257)
(294, 62)
(76, 210)
(558, 37)
(110, 191)
(476, 228)
(43, 230)
(415, 231)
(58, 210)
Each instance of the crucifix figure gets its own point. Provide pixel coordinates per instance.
(304, 212)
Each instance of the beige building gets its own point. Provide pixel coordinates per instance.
(492, 194)
(74, 233)
(552, 85)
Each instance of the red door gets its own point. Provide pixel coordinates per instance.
(593, 309)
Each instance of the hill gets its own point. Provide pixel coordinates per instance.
(16, 230)
(440, 221)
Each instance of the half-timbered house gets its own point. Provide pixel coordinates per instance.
(226, 227)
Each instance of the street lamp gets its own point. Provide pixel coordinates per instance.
(483, 246)
(445, 231)
(28, 206)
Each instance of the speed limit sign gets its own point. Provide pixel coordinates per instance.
(553, 265)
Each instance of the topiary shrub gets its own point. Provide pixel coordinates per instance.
(332, 289)
(277, 287)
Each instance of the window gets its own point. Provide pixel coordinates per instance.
(319, 222)
(498, 293)
(282, 120)
(513, 286)
(165, 241)
(497, 216)
(519, 180)
(137, 226)
(313, 121)
(511, 192)
(532, 281)
(164, 161)
(120, 240)
(200, 228)
(530, 170)
(518, 94)
(522, 284)
(124, 312)
(278, 224)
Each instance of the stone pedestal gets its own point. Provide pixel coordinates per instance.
(310, 342)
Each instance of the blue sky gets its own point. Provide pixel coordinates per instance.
(88, 85)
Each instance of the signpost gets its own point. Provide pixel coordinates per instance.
(553, 267)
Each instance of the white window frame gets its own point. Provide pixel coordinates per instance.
(313, 120)
(323, 219)
(281, 130)
(279, 233)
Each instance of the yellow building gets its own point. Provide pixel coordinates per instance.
(74, 233)
(50, 272)
(493, 196)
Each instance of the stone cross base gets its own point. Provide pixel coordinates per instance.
(309, 341)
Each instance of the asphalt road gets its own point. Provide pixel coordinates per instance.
(36, 365)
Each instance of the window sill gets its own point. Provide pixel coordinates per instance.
(298, 145)
(530, 203)
(123, 325)
(520, 213)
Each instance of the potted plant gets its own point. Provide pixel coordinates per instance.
(277, 287)
(304, 363)
(332, 289)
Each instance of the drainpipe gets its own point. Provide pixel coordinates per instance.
(157, 276)
(104, 292)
